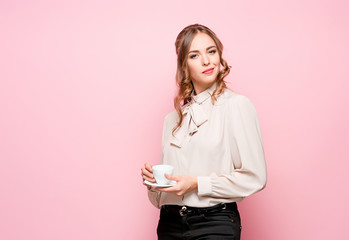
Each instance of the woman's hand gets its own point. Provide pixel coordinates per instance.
(184, 185)
(147, 173)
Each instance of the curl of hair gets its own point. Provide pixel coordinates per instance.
(184, 83)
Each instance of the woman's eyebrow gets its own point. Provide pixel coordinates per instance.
(198, 50)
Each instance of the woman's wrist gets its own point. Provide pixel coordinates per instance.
(195, 183)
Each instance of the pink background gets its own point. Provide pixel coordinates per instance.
(85, 86)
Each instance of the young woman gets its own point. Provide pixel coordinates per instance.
(213, 141)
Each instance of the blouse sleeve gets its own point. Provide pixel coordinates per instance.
(154, 196)
(248, 174)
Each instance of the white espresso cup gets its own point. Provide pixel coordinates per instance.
(159, 173)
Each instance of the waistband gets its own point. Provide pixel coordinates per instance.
(186, 210)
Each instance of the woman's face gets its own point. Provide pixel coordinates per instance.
(203, 62)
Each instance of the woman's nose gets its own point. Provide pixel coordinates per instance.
(205, 60)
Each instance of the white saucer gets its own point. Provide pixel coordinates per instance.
(172, 183)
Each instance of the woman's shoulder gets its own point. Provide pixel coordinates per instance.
(239, 102)
(231, 97)
(171, 117)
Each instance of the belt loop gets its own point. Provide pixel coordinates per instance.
(224, 206)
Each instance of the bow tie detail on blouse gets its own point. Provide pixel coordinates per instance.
(194, 115)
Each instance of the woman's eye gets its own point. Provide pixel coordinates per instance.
(193, 56)
(212, 51)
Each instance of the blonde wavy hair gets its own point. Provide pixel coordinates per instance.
(184, 83)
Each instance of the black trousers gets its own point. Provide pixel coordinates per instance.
(218, 222)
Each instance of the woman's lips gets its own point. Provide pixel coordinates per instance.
(208, 71)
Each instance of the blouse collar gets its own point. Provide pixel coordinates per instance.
(194, 116)
(203, 96)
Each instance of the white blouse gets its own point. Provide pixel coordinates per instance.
(220, 143)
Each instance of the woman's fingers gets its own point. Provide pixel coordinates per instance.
(175, 190)
(184, 184)
(146, 172)
(148, 167)
(171, 177)
(149, 179)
